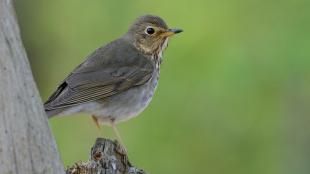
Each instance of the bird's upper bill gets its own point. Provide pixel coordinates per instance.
(171, 32)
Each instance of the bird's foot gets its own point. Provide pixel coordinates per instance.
(120, 148)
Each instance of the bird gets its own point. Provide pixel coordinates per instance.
(118, 80)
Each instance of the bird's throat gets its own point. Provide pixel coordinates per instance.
(157, 56)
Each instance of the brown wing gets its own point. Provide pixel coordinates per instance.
(109, 76)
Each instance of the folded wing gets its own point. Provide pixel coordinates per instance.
(101, 76)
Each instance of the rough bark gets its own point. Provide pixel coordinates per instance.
(26, 143)
(106, 157)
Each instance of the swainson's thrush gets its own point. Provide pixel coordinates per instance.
(117, 81)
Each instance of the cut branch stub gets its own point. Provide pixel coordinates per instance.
(107, 157)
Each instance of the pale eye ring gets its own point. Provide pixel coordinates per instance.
(149, 30)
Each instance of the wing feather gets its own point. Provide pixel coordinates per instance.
(102, 76)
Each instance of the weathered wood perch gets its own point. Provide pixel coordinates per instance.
(106, 157)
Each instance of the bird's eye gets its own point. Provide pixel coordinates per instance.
(150, 30)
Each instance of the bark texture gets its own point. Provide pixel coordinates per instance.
(106, 157)
(26, 143)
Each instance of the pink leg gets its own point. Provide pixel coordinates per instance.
(120, 146)
(119, 138)
(96, 121)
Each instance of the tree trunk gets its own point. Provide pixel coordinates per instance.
(26, 143)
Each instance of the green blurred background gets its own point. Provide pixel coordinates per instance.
(234, 92)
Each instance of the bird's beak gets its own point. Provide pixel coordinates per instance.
(171, 32)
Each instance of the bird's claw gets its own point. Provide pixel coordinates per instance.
(120, 148)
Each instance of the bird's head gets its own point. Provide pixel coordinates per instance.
(150, 33)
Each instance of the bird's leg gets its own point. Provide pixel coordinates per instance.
(121, 148)
(119, 138)
(96, 121)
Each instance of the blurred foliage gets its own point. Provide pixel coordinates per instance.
(234, 91)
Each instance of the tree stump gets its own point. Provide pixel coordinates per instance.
(106, 157)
